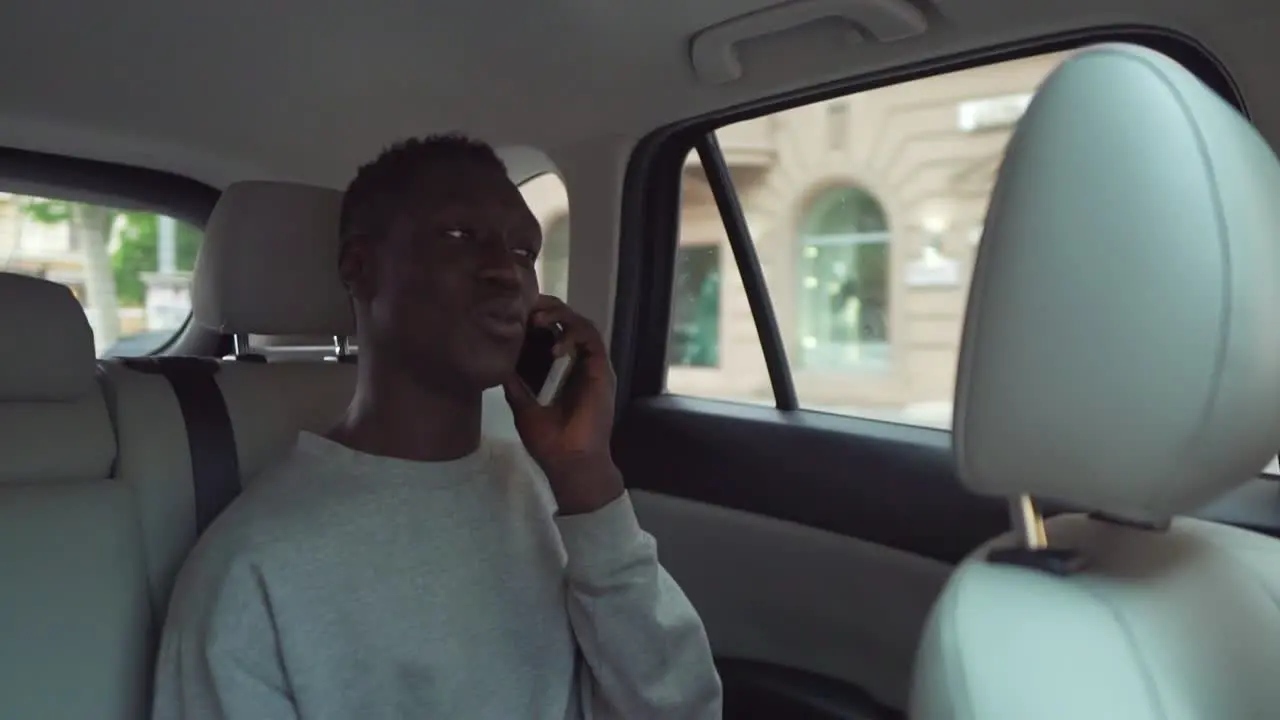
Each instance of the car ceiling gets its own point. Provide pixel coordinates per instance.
(306, 89)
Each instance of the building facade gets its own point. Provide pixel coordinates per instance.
(866, 213)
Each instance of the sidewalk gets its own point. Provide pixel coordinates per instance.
(933, 414)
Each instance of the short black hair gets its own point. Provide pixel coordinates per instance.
(385, 187)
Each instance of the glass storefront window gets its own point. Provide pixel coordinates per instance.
(843, 281)
(695, 313)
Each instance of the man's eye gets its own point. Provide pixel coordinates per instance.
(457, 234)
(525, 252)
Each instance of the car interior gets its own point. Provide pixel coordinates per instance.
(947, 335)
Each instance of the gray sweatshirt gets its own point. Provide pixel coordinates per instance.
(343, 585)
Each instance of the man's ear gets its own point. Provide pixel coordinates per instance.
(355, 267)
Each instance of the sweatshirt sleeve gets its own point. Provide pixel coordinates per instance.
(218, 657)
(641, 638)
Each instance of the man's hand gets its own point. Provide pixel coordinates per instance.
(570, 439)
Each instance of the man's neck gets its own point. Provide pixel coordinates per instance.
(396, 415)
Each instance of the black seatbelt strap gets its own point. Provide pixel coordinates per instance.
(215, 466)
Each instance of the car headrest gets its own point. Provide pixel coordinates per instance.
(47, 353)
(269, 263)
(1121, 350)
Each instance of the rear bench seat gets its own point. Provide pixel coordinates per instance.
(265, 245)
(268, 266)
(155, 455)
(97, 496)
(97, 505)
(75, 633)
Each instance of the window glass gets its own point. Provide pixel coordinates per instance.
(130, 270)
(842, 318)
(713, 349)
(549, 201)
(695, 312)
(866, 212)
(553, 261)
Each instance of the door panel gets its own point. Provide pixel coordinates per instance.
(804, 544)
(785, 594)
(888, 484)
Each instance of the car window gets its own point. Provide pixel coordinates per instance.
(713, 349)
(130, 270)
(865, 212)
(549, 201)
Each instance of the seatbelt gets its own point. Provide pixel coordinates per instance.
(215, 466)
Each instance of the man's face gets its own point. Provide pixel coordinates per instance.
(453, 283)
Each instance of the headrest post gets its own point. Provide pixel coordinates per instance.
(341, 346)
(240, 345)
(1028, 523)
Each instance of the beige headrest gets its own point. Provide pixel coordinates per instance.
(46, 343)
(1122, 346)
(269, 263)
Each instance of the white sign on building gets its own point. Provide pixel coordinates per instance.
(932, 269)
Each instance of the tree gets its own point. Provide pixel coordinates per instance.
(139, 252)
(113, 278)
(90, 232)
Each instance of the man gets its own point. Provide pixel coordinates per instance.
(404, 566)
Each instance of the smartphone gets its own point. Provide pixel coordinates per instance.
(543, 373)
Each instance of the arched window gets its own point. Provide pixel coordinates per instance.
(553, 261)
(844, 281)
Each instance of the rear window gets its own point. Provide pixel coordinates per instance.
(130, 270)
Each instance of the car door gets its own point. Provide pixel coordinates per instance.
(792, 284)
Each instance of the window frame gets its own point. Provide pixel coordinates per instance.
(651, 201)
(62, 177)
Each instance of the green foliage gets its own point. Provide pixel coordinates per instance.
(138, 249)
(135, 255)
(47, 211)
(139, 253)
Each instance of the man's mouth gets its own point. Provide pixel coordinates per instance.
(502, 319)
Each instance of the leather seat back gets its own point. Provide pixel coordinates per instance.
(1121, 354)
(74, 610)
(269, 267)
(155, 452)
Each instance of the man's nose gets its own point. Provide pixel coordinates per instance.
(498, 265)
